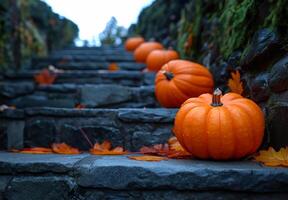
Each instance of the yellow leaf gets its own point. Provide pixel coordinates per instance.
(147, 158)
(273, 158)
(113, 67)
(63, 148)
(235, 83)
(34, 150)
(106, 149)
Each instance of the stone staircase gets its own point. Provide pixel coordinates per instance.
(120, 107)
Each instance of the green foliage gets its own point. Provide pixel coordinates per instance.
(112, 34)
(224, 25)
(35, 32)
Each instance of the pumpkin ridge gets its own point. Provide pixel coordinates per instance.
(176, 89)
(248, 135)
(200, 90)
(198, 83)
(243, 105)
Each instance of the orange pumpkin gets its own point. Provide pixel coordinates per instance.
(219, 127)
(157, 58)
(132, 43)
(141, 53)
(178, 80)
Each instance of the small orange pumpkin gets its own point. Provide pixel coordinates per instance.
(179, 80)
(157, 58)
(219, 127)
(132, 43)
(141, 53)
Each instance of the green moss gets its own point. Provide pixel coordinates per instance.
(234, 22)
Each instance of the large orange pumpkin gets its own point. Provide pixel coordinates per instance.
(179, 80)
(219, 127)
(157, 58)
(141, 53)
(132, 43)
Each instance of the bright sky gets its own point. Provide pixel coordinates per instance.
(91, 16)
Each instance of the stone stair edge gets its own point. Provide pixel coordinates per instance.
(125, 114)
(120, 173)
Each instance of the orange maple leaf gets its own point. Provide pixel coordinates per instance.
(157, 149)
(113, 67)
(176, 150)
(34, 150)
(79, 106)
(273, 158)
(45, 77)
(63, 148)
(235, 83)
(147, 158)
(106, 149)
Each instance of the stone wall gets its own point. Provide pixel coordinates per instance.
(250, 36)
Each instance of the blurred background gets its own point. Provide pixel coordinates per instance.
(204, 30)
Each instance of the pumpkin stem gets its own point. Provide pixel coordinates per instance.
(169, 75)
(216, 99)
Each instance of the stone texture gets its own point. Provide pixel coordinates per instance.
(147, 115)
(175, 194)
(104, 95)
(149, 138)
(278, 79)
(105, 172)
(35, 188)
(117, 177)
(42, 100)
(15, 134)
(12, 90)
(11, 163)
(265, 48)
(39, 133)
(277, 124)
(128, 78)
(259, 87)
(4, 181)
(12, 114)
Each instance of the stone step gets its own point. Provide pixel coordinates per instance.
(78, 58)
(91, 177)
(88, 65)
(130, 128)
(121, 77)
(68, 95)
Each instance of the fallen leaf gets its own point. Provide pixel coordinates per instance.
(55, 70)
(157, 149)
(176, 150)
(188, 43)
(34, 150)
(235, 84)
(273, 158)
(63, 148)
(147, 158)
(79, 106)
(45, 77)
(5, 107)
(106, 149)
(113, 67)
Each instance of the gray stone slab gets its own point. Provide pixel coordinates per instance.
(176, 194)
(104, 95)
(12, 90)
(15, 135)
(36, 188)
(12, 114)
(147, 115)
(65, 112)
(11, 163)
(120, 173)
